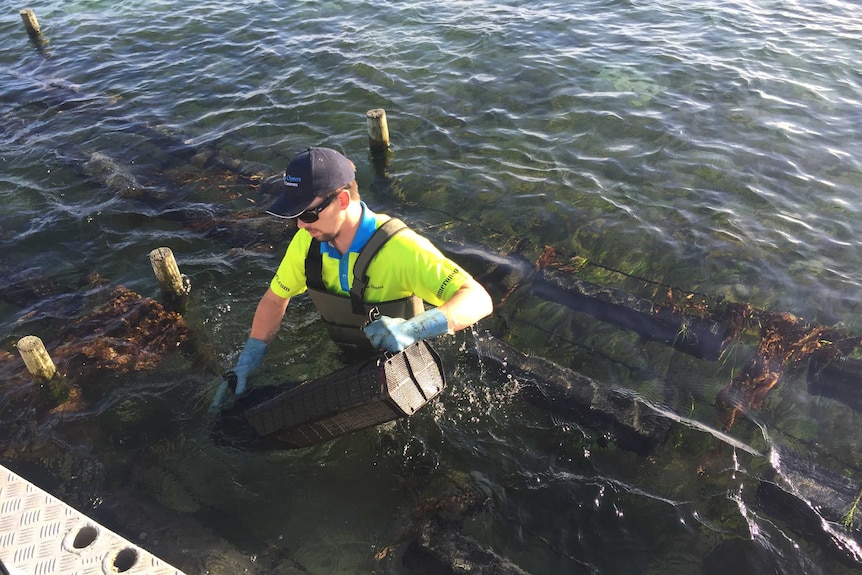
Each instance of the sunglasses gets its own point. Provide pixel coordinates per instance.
(311, 215)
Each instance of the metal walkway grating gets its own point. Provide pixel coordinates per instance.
(41, 535)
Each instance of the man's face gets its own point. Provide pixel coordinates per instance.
(328, 223)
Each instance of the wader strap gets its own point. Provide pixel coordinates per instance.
(314, 266)
(360, 276)
(314, 263)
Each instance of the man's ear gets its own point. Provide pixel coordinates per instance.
(344, 198)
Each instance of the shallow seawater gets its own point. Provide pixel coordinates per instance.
(674, 152)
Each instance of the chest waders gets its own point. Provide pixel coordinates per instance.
(343, 315)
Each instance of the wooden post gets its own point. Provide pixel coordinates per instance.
(36, 358)
(378, 130)
(30, 23)
(168, 273)
(378, 142)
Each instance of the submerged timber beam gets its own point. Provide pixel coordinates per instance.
(701, 338)
(839, 379)
(813, 501)
(630, 422)
(809, 498)
(441, 549)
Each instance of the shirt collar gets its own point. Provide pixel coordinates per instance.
(366, 229)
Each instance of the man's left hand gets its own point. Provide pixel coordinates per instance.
(396, 334)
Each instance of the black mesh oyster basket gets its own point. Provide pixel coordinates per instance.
(381, 389)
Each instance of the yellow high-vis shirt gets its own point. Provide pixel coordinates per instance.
(408, 264)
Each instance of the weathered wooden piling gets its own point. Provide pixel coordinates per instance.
(378, 130)
(30, 23)
(36, 358)
(378, 144)
(168, 273)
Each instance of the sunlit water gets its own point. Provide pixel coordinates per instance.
(711, 146)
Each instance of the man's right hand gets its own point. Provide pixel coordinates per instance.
(249, 360)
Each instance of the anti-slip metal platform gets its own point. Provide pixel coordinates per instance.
(41, 535)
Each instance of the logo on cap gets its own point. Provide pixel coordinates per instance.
(292, 180)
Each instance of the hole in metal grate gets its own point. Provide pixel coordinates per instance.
(125, 559)
(85, 536)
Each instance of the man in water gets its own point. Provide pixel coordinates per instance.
(396, 269)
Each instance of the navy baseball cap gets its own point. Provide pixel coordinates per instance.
(311, 174)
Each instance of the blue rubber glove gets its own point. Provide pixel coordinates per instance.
(249, 360)
(395, 334)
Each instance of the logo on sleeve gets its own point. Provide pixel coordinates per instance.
(448, 279)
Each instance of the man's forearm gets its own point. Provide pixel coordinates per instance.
(267, 318)
(469, 304)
